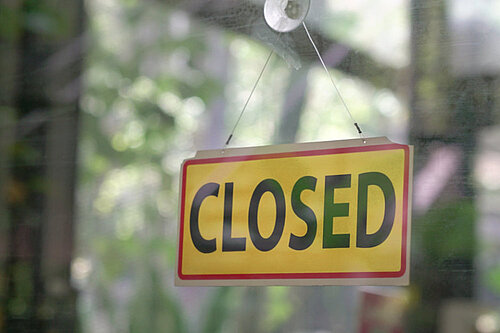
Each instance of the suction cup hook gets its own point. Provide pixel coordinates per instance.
(285, 15)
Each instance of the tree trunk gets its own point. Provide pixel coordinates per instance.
(42, 162)
(8, 64)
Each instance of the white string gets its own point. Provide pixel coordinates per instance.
(248, 100)
(251, 94)
(260, 76)
(334, 85)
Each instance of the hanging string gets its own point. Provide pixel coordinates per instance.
(356, 125)
(248, 100)
(360, 132)
(280, 24)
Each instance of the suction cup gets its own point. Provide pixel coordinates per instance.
(285, 15)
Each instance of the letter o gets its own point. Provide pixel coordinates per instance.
(261, 243)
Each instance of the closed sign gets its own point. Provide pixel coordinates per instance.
(308, 214)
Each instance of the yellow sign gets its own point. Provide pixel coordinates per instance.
(311, 214)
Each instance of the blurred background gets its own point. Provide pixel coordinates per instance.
(101, 100)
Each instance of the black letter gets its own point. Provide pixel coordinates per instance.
(379, 179)
(203, 245)
(229, 243)
(261, 243)
(334, 210)
(304, 212)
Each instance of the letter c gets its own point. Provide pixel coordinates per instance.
(203, 245)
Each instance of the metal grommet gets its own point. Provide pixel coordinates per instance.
(285, 15)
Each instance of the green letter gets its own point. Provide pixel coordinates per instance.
(334, 210)
(377, 179)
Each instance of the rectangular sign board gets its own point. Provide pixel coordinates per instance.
(327, 213)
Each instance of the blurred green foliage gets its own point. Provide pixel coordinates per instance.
(143, 91)
(146, 105)
(448, 232)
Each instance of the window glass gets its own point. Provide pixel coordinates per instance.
(102, 100)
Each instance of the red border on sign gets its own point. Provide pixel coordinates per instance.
(331, 275)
